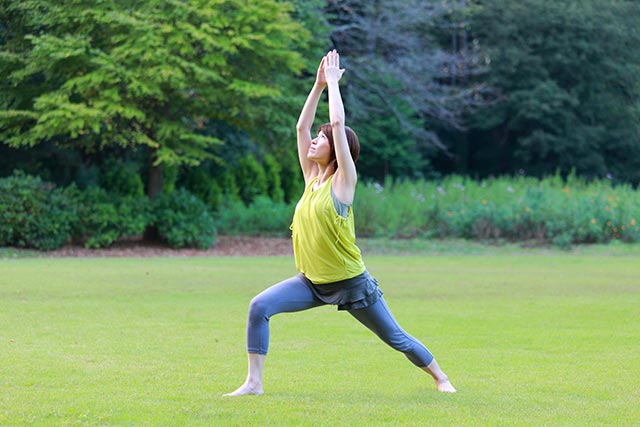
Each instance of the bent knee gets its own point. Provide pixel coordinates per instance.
(258, 308)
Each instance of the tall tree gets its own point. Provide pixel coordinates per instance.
(398, 83)
(569, 74)
(150, 74)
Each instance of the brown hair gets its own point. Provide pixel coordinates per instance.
(352, 141)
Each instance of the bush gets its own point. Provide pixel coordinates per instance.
(121, 178)
(262, 217)
(273, 170)
(34, 213)
(253, 179)
(552, 210)
(183, 220)
(291, 177)
(104, 217)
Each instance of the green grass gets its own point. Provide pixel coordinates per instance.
(543, 339)
(416, 246)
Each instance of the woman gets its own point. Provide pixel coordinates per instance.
(330, 264)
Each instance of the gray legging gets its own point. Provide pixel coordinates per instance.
(294, 295)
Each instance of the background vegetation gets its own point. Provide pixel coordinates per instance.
(559, 211)
(111, 103)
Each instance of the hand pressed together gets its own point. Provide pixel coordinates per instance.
(332, 70)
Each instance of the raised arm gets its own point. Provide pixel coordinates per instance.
(345, 178)
(305, 122)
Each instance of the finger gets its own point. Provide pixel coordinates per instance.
(332, 57)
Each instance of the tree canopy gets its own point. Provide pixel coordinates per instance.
(568, 73)
(398, 85)
(152, 74)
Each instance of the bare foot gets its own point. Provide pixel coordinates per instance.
(247, 389)
(445, 386)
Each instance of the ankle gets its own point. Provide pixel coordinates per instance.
(253, 382)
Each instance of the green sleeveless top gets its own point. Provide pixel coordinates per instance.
(324, 241)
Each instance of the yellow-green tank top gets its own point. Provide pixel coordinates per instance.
(324, 241)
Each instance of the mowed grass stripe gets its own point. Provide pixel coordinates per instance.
(534, 340)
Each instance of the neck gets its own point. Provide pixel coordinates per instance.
(325, 172)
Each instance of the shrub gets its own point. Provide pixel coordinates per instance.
(291, 177)
(104, 217)
(121, 178)
(273, 170)
(253, 179)
(203, 185)
(34, 213)
(262, 217)
(183, 220)
(401, 209)
(552, 210)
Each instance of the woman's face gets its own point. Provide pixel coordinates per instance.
(320, 149)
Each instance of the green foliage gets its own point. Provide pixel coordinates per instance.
(185, 82)
(34, 213)
(216, 185)
(183, 220)
(252, 177)
(169, 178)
(291, 177)
(229, 185)
(121, 178)
(554, 210)
(104, 217)
(203, 185)
(568, 74)
(387, 149)
(262, 217)
(149, 74)
(272, 170)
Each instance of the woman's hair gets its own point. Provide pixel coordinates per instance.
(352, 141)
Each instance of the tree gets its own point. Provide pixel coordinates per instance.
(149, 75)
(569, 73)
(398, 84)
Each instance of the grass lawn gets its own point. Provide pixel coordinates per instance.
(546, 339)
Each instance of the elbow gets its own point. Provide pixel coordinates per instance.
(337, 122)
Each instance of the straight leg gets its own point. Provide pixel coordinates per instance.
(379, 319)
